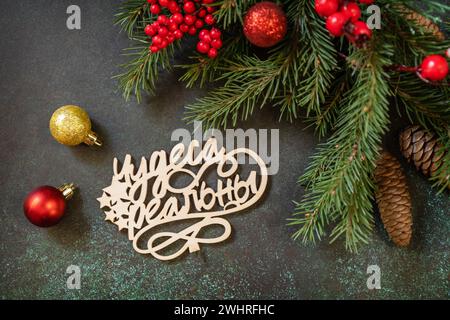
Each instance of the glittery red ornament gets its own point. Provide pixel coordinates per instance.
(265, 24)
(45, 206)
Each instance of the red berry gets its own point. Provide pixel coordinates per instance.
(207, 1)
(170, 38)
(162, 19)
(173, 7)
(178, 34)
(163, 31)
(189, 19)
(434, 68)
(215, 33)
(155, 9)
(149, 30)
(184, 28)
(202, 13)
(210, 9)
(216, 43)
(367, 1)
(192, 30)
(151, 1)
(212, 53)
(189, 7)
(198, 24)
(326, 8)
(336, 22)
(164, 43)
(202, 47)
(156, 40)
(206, 38)
(177, 18)
(173, 26)
(209, 19)
(352, 10)
(203, 33)
(154, 49)
(361, 31)
(163, 3)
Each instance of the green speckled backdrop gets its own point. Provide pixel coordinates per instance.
(44, 65)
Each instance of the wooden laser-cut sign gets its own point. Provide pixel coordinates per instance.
(127, 204)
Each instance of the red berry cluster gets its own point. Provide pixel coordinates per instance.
(342, 18)
(176, 18)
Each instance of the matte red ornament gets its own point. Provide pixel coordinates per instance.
(45, 206)
(265, 24)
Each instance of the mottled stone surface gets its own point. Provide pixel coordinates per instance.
(44, 65)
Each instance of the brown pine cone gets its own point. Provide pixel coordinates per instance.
(393, 199)
(421, 147)
(422, 21)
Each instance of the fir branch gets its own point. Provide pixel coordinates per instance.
(339, 180)
(130, 14)
(231, 11)
(205, 70)
(142, 70)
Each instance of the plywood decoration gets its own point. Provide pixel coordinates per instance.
(145, 202)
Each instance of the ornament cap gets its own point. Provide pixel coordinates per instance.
(93, 139)
(67, 190)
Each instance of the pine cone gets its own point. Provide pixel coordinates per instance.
(423, 21)
(393, 199)
(421, 147)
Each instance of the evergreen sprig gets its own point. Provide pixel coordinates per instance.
(344, 92)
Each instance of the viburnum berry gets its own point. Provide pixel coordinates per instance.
(189, 7)
(162, 31)
(177, 18)
(336, 22)
(155, 9)
(202, 47)
(163, 3)
(149, 30)
(162, 19)
(173, 26)
(361, 31)
(202, 13)
(352, 10)
(187, 16)
(216, 43)
(189, 19)
(209, 19)
(156, 40)
(184, 27)
(173, 7)
(192, 30)
(326, 8)
(215, 33)
(212, 53)
(178, 34)
(367, 1)
(434, 68)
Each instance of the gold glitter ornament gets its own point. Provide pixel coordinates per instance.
(70, 125)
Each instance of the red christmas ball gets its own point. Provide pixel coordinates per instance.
(434, 68)
(44, 206)
(265, 24)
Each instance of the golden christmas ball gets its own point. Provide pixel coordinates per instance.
(70, 125)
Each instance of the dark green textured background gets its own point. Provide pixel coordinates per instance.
(44, 65)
